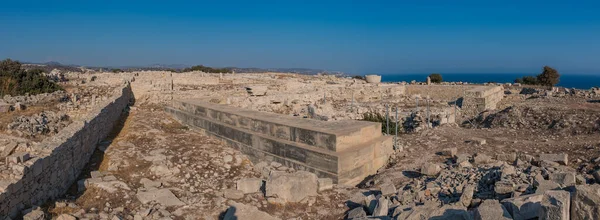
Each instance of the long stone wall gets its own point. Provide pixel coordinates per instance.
(345, 151)
(49, 175)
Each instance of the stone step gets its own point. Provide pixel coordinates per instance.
(333, 135)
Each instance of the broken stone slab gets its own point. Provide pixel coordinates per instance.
(558, 158)
(291, 187)
(585, 202)
(162, 196)
(8, 149)
(510, 157)
(66, 217)
(565, 179)
(543, 185)
(239, 211)
(491, 209)
(325, 184)
(388, 189)
(381, 208)
(451, 152)
(504, 187)
(482, 159)
(523, 207)
(479, 141)
(507, 170)
(358, 212)
(233, 194)
(31, 214)
(555, 205)
(249, 185)
(20, 157)
(467, 195)
(430, 169)
(96, 174)
(462, 157)
(450, 212)
(150, 184)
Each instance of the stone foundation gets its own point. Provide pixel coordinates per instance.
(49, 175)
(346, 151)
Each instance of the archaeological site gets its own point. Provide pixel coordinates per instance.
(194, 145)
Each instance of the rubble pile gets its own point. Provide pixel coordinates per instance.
(44, 123)
(477, 185)
(574, 121)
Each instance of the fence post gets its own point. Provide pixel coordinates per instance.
(428, 119)
(387, 119)
(396, 137)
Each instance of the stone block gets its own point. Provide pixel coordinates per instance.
(430, 169)
(382, 208)
(585, 202)
(291, 187)
(482, 159)
(451, 152)
(565, 179)
(233, 194)
(524, 207)
(491, 209)
(249, 185)
(325, 184)
(555, 205)
(504, 187)
(388, 189)
(558, 158)
(239, 211)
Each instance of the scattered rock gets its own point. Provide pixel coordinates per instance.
(430, 169)
(524, 207)
(162, 196)
(239, 211)
(291, 187)
(491, 209)
(555, 205)
(558, 158)
(325, 184)
(249, 185)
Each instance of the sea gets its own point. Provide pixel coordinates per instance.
(578, 81)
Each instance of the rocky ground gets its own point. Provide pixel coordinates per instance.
(156, 168)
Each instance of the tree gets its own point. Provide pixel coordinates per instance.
(548, 77)
(16, 81)
(527, 80)
(435, 78)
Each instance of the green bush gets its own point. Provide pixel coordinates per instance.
(17, 81)
(436, 78)
(377, 117)
(207, 69)
(548, 77)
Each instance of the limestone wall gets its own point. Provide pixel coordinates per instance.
(482, 98)
(439, 92)
(50, 174)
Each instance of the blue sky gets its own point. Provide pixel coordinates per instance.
(350, 36)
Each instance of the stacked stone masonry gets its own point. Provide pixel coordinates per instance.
(346, 151)
(483, 98)
(49, 175)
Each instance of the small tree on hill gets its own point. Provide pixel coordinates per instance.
(549, 77)
(435, 78)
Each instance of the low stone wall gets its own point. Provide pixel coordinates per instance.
(439, 92)
(50, 174)
(345, 151)
(482, 98)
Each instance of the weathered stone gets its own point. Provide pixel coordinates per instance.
(510, 157)
(465, 164)
(382, 208)
(596, 175)
(558, 158)
(233, 194)
(491, 209)
(462, 157)
(507, 170)
(585, 202)
(564, 179)
(162, 196)
(249, 185)
(388, 189)
(524, 207)
(467, 195)
(239, 211)
(543, 185)
(96, 174)
(66, 217)
(450, 212)
(291, 187)
(149, 183)
(451, 152)
(504, 187)
(34, 215)
(555, 205)
(482, 159)
(357, 212)
(430, 169)
(479, 141)
(325, 184)
(20, 157)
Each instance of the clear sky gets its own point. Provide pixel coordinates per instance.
(350, 36)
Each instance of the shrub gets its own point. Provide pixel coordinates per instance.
(377, 117)
(207, 69)
(436, 78)
(17, 81)
(527, 80)
(359, 77)
(548, 77)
